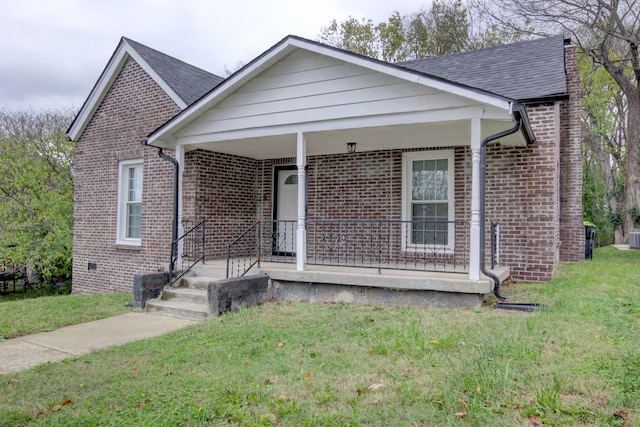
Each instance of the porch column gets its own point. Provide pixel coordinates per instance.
(301, 234)
(474, 231)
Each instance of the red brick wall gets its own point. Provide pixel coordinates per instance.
(357, 186)
(571, 220)
(221, 189)
(133, 107)
(522, 196)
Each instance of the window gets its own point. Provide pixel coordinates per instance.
(291, 180)
(129, 202)
(428, 195)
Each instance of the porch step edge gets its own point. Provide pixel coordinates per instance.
(209, 271)
(418, 283)
(185, 294)
(197, 282)
(184, 310)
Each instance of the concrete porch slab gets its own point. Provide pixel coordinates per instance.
(374, 278)
(405, 280)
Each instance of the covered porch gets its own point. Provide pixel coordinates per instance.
(320, 160)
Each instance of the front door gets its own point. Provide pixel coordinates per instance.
(286, 211)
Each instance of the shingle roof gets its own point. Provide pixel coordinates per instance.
(189, 82)
(523, 71)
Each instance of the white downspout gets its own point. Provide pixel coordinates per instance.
(301, 234)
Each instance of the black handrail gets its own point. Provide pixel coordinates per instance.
(193, 250)
(244, 252)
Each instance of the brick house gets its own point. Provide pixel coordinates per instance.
(329, 161)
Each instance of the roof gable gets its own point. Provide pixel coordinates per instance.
(182, 82)
(311, 91)
(292, 44)
(189, 82)
(525, 71)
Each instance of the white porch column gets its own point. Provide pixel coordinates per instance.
(301, 234)
(474, 231)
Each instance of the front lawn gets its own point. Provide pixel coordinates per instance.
(575, 363)
(33, 315)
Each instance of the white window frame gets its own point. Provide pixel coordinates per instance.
(407, 168)
(123, 173)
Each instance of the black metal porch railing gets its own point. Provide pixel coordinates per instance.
(266, 240)
(193, 248)
(439, 246)
(244, 252)
(281, 238)
(389, 244)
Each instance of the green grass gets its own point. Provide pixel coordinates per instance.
(33, 315)
(575, 363)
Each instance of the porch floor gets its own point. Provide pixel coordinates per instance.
(371, 277)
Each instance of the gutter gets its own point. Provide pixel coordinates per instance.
(519, 114)
(174, 227)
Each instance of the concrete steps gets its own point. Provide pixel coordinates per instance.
(196, 282)
(189, 299)
(179, 309)
(187, 295)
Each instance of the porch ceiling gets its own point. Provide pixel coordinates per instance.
(417, 135)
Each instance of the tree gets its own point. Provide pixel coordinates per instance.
(441, 30)
(604, 112)
(608, 32)
(353, 35)
(36, 191)
(444, 28)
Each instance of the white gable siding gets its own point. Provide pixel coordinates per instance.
(307, 87)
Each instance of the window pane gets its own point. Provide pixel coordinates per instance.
(430, 179)
(134, 220)
(291, 179)
(135, 184)
(430, 223)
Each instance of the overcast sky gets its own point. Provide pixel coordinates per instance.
(53, 51)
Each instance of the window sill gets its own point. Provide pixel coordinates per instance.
(429, 249)
(128, 247)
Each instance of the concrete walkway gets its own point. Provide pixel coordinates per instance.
(22, 353)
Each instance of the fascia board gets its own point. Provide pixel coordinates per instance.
(98, 92)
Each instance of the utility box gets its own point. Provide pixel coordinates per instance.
(634, 239)
(590, 235)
